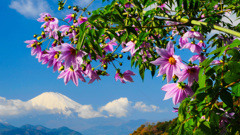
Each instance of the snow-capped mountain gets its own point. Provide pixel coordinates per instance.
(55, 102)
(58, 103)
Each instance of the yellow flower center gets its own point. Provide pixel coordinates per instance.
(33, 45)
(180, 86)
(71, 69)
(61, 68)
(56, 56)
(73, 15)
(81, 18)
(172, 61)
(46, 19)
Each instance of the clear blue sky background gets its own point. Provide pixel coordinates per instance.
(22, 77)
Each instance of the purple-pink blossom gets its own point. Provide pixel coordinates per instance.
(36, 48)
(199, 57)
(80, 20)
(177, 91)
(193, 34)
(125, 77)
(48, 20)
(71, 74)
(193, 47)
(128, 5)
(92, 74)
(170, 64)
(189, 72)
(163, 6)
(201, 44)
(109, 46)
(130, 47)
(70, 55)
(70, 17)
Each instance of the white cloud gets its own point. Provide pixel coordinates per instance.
(118, 107)
(30, 8)
(86, 111)
(146, 108)
(13, 107)
(56, 103)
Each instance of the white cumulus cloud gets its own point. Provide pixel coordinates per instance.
(13, 107)
(56, 103)
(30, 8)
(87, 111)
(117, 108)
(146, 108)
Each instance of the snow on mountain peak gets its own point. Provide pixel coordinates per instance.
(55, 102)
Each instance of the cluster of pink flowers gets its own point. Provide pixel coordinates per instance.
(172, 66)
(65, 57)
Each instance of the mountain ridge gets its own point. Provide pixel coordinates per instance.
(7, 129)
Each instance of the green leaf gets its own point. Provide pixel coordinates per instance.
(226, 97)
(132, 30)
(230, 77)
(93, 17)
(199, 90)
(82, 35)
(236, 90)
(181, 130)
(201, 96)
(235, 43)
(235, 53)
(234, 67)
(205, 127)
(142, 71)
(202, 78)
(207, 61)
(217, 50)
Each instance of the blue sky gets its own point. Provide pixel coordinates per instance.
(22, 77)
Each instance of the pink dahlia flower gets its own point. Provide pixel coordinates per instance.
(70, 55)
(109, 46)
(201, 44)
(70, 17)
(189, 72)
(170, 64)
(34, 45)
(177, 91)
(193, 47)
(193, 34)
(130, 47)
(71, 74)
(199, 57)
(80, 21)
(126, 76)
(92, 74)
